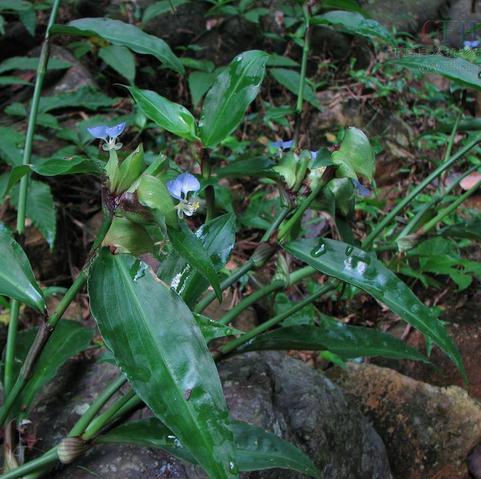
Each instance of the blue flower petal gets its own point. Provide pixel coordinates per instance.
(99, 131)
(175, 188)
(284, 145)
(471, 44)
(115, 131)
(314, 155)
(189, 183)
(361, 190)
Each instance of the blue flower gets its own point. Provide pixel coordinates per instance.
(109, 134)
(283, 145)
(471, 44)
(180, 188)
(361, 190)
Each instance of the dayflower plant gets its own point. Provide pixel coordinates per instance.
(184, 189)
(109, 134)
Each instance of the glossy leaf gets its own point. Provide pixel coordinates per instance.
(291, 79)
(355, 156)
(213, 329)
(457, 69)
(16, 276)
(122, 34)
(218, 238)
(164, 356)
(129, 237)
(344, 340)
(255, 449)
(40, 208)
(68, 339)
(15, 175)
(233, 91)
(199, 84)
(154, 194)
(354, 23)
(120, 59)
(365, 271)
(129, 170)
(164, 113)
(190, 247)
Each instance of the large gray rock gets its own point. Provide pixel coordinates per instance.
(271, 390)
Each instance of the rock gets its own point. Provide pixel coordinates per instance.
(270, 390)
(404, 15)
(474, 463)
(428, 431)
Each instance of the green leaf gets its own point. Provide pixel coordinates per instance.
(16, 276)
(31, 63)
(250, 167)
(354, 23)
(199, 83)
(120, 59)
(217, 238)
(11, 80)
(166, 114)
(281, 61)
(16, 174)
(15, 5)
(365, 271)
(349, 5)
(164, 356)
(129, 237)
(40, 208)
(68, 166)
(213, 329)
(346, 341)
(355, 156)
(255, 449)
(233, 90)
(190, 247)
(457, 69)
(469, 230)
(85, 97)
(123, 34)
(11, 142)
(129, 170)
(154, 194)
(159, 8)
(68, 339)
(291, 80)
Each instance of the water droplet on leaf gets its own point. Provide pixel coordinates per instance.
(319, 250)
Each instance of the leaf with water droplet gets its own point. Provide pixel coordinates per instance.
(364, 271)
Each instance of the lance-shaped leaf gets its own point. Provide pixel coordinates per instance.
(68, 166)
(255, 449)
(16, 276)
(232, 92)
(190, 247)
(165, 113)
(122, 34)
(68, 339)
(344, 340)
(214, 329)
(365, 271)
(217, 238)
(157, 343)
(457, 69)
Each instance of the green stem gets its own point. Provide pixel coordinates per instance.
(277, 221)
(209, 190)
(294, 277)
(47, 459)
(449, 209)
(302, 79)
(235, 343)
(234, 277)
(82, 424)
(99, 422)
(292, 221)
(415, 220)
(22, 197)
(428, 180)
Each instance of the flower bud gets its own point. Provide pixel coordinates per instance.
(262, 254)
(70, 449)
